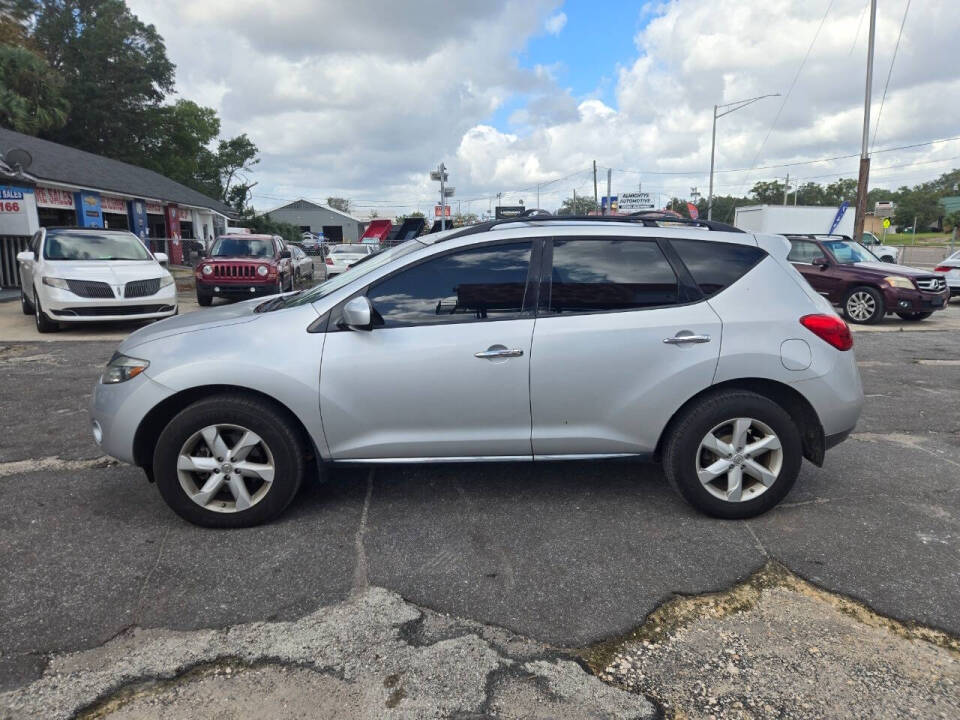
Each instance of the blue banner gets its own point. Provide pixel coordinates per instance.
(840, 211)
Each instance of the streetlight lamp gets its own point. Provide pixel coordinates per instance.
(734, 106)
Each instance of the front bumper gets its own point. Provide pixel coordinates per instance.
(237, 290)
(64, 306)
(117, 410)
(900, 300)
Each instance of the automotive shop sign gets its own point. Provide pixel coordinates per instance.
(18, 211)
(635, 201)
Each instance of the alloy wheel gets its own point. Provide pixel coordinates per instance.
(739, 459)
(861, 306)
(225, 468)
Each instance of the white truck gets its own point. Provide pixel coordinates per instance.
(807, 220)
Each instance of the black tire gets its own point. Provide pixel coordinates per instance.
(879, 310)
(888, 259)
(204, 299)
(914, 316)
(43, 322)
(687, 431)
(25, 305)
(261, 417)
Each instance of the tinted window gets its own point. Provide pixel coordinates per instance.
(474, 284)
(804, 251)
(596, 275)
(716, 265)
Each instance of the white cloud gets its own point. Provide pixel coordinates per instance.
(361, 99)
(555, 23)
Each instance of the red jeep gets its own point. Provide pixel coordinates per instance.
(244, 266)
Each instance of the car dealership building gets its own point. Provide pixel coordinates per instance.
(44, 184)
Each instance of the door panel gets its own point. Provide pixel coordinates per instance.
(408, 392)
(608, 383)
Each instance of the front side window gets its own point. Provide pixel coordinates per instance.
(86, 245)
(716, 265)
(477, 284)
(848, 252)
(599, 275)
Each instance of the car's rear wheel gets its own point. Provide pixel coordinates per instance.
(44, 323)
(229, 461)
(863, 305)
(914, 316)
(733, 454)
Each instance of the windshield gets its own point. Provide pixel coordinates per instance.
(345, 278)
(85, 245)
(349, 250)
(847, 252)
(239, 246)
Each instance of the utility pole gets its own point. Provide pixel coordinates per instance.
(443, 198)
(786, 190)
(538, 196)
(864, 177)
(573, 210)
(596, 200)
(609, 206)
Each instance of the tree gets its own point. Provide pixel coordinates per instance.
(115, 71)
(920, 203)
(338, 203)
(31, 92)
(177, 145)
(14, 17)
(843, 190)
(768, 192)
(581, 205)
(400, 218)
(461, 219)
(234, 156)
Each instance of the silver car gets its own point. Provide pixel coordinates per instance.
(515, 340)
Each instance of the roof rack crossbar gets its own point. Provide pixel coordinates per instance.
(647, 220)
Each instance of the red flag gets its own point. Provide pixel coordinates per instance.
(692, 209)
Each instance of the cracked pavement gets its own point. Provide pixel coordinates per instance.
(567, 555)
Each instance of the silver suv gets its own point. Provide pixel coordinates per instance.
(540, 338)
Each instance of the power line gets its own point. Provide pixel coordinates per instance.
(896, 47)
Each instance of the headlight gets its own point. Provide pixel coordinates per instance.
(898, 281)
(166, 280)
(262, 270)
(122, 368)
(56, 282)
(208, 270)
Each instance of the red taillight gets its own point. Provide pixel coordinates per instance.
(829, 328)
(943, 269)
(329, 261)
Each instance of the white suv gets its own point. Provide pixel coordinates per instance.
(533, 339)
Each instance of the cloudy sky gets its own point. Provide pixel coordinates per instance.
(360, 99)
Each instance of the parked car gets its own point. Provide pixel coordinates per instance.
(302, 265)
(851, 277)
(243, 266)
(75, 275)
(311, 243)
(531, 339)
(951, 271)
(885, 253)
(341, 257)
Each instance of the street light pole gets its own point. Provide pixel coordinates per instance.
(864, 176)
(734, 106)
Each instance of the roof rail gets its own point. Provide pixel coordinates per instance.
(813, 236)
(645, 219)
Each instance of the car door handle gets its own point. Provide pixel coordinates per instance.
(687, 339)
(500, 352)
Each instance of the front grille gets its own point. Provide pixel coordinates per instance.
(234, 271)
(113, 310)
(932, 284)
(90, 289)
(141, 288)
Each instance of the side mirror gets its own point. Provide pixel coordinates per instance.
(25, 256)
(285, 253)
(821, 262)
(358, 314)
(161, 258)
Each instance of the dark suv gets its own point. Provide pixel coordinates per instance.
(866, 289)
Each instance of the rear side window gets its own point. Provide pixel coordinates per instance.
(804, 251)
(477, 284)
(599, 275)
(715, 265)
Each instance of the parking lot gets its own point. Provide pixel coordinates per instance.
(542, 564)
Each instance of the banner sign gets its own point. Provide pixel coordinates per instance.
(840, 211)
(692, 209)
(635, 201)
(89, 213)
(51, 197)
(113, 204)
(184, 214)
(436, 210)
(609, 203)
(509, 211)
(18, 211)
(154, 208)
(138, 218)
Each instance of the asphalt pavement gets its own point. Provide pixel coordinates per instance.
(568, 554)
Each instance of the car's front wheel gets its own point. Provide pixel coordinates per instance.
(888, 259)
(914, 316)
(43, 321)
(863, 305)
(229, 461)
(733, 454)
(25, 304)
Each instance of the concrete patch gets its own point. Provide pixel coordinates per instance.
(54, 464)
(777, 646)
(376, 657)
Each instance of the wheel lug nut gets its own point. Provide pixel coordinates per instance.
(216, 470)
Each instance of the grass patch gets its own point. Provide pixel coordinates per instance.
(930, 238)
